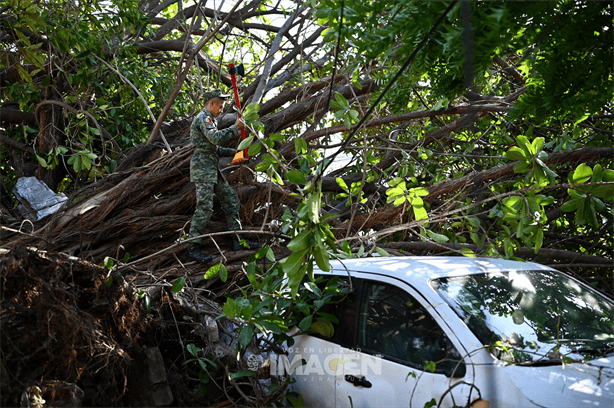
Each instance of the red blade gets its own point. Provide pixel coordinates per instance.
(233, 78)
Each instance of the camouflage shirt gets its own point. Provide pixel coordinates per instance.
(207, 139)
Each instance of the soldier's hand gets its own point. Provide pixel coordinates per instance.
(239, 123)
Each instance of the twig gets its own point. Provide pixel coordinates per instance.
(220, 251)
(266, 214)
(175, 245)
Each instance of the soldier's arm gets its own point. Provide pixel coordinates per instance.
(218, 137)
(226, 152)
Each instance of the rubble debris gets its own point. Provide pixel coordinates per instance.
(37, 199)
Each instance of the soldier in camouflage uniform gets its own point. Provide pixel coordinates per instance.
(204, 173)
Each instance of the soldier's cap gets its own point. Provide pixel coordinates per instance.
(214, 93)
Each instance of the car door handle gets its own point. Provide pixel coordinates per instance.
(357, 381)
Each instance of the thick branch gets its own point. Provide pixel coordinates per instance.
(299, 111)
(16, 144)
(249, 90)
(456, 110)
(11, 115)
(550, 253)
(506, 170)
(287, 96)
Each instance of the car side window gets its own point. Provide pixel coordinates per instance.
(394, 324)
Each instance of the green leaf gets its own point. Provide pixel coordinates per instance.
(571, 205)
(581, 175)
(522, 167)
(322, 258)
(223, 273)
(537, 144)
(296, 177)
(419, 191)
(254, 149)
(252, 107)
(538, 239)
(323, 327)
(272, 327)
(341, 183)
(419, 211)
(301, 241)
(41, 161)
(250, 117)
(313, 207)
(214, 270)
(437, 237)
(178, 284)
(515, 153)
(109, 262)
(245, 143)
(605, 191)
(431, 403)
(245, 335)
(294, 268)
(244, 373)
(230, 308)
(305, 323)
(467, 252)
(526, 146)
(300, 145)
(381, 251)
(293, 263)
(192, 349)
(341, 100)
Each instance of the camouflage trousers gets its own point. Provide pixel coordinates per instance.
(204, 207)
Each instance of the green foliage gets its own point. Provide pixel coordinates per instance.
(206, 366)
(67, 67)
(526, 217)
(589, 202)
(531, 157)
(399, 194)
(216, 269)
(270, 307)
(82, 160)
(565, 73)
(343, 110)
(178, 285)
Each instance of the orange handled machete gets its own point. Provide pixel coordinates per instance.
(234, 70)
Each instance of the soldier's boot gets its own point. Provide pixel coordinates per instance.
(239, 244)
(195, 254)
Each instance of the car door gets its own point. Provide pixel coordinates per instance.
(392, 345)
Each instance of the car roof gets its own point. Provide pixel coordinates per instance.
(419, 270)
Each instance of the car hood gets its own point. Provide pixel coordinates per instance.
(589, 384)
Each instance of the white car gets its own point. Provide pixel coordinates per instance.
(459, 331)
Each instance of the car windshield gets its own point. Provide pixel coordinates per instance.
(530, 317)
